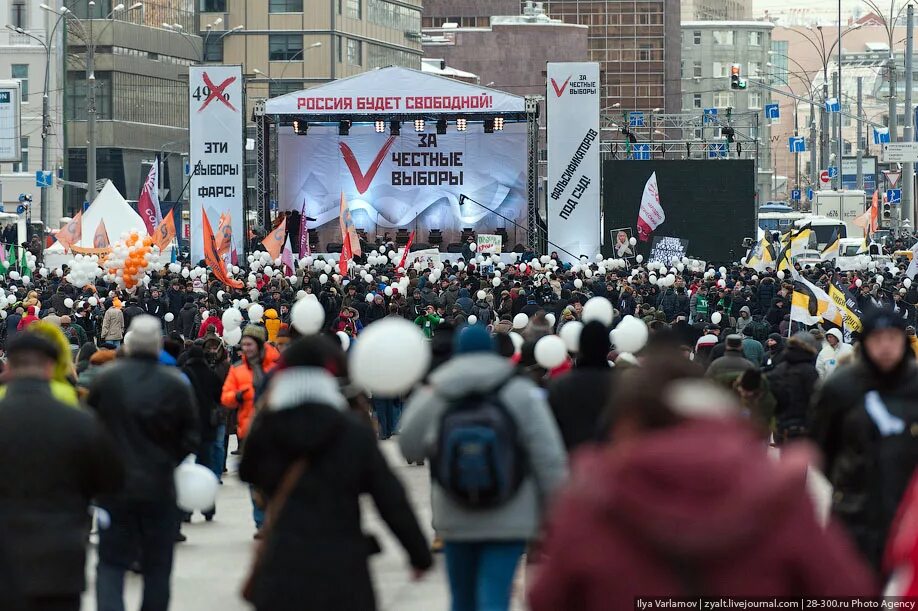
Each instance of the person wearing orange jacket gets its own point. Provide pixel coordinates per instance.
(258, 358)
(272, 324)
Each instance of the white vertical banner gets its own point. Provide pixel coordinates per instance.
(215, 118)
(10, 119)
(573, 158)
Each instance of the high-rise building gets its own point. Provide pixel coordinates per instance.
(27, 50)
(636, 43)
(716, 10)
(140, 53)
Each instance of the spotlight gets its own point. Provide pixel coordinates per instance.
(499, 124)
(300, 127)
(380, 127)
(441, 126)
(344, 128)
(461, 125)
(395, 128)
(489, 126)
(419, 125)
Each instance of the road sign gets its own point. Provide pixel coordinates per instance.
(43, 178)
(796, 144)
(20, 209)
(894, 196)
(635, 119)
(772, 111)
(716, 151)
(710, 115)
(892, 177)
(868, 171)
(880, 135)
(900, 152)
(833, 105)
(809, 194)
(833, 171)
(795, 195)
(640, 152)
(824, 177)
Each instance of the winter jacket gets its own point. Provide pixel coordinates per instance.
(868, 471)
(208, 388)
(56, 459)
(428, 323)
(150, 411)
(129, 313)
(742, 322)
(112, 325)
(272, 324)
(765, 296)
(186, 317)
(239, 388)
(483, 312)
(464, 301)
(793, 382)
(211, 320)
(828, 357)
(697, 509)
(317, 551)
(728, 367)
(521, 516)
(175, 300)
(753, 351)
(155, 307)
(578, 399)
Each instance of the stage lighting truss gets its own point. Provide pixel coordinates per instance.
(498, 124)
(441, 126)
(395, 128)
(419, 125)
(344, 128)
(380, 127)
(300, 127)
(489, 126)
(461, 124)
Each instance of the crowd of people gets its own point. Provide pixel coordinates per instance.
(668, 451)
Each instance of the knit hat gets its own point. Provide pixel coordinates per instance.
(144, 336)
(473, 338)
(881, 318)
(259, 334)
(594, 344)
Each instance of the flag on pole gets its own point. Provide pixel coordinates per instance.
(212, 258)
(4, 261)
(913, 264)
(165, 232)
(287, 257)
(831, 249)
(795, 243)
(811, 305)
(347, 228)
(763, 254)
(304, 232)
(100, 238)
(72, 232)
(863, 221)
(651, 214)
(874, 213)
(275, 240)
(148, 203)
(401, 263)
(847, 304)
(24, 264)
(224, 234)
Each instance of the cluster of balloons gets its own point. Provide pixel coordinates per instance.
(130, 257)
(232, 326)
(84, 269)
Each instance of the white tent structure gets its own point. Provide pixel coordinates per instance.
(111, 207)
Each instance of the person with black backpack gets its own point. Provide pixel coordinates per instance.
(496, 459)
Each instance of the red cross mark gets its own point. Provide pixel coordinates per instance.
(216, 92)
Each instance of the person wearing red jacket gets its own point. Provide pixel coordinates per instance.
(685, 502)
(28, 319)
(213, 321)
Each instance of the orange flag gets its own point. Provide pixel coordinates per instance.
(224, 233)
(165, 232)
(100, 239)
(347, 228)
(275, 240)
(875, 213)
(212, 258)
(72, 233)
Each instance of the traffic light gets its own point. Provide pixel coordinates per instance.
(736, 82)
(887, 211)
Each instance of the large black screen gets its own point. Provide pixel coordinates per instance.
(710, 203)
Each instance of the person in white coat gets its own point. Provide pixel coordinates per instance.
(833, 351)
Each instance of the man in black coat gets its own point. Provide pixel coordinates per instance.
(56, 459)
(150, 410)
(793, 382)
(186, 318)
(131, 311)
(865, 418)
(155, 305)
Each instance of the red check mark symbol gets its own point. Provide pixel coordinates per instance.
(560, 90)
(216, 92)
(362, 181)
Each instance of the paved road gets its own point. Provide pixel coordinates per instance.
(211, 565)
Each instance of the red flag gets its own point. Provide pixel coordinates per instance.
(148, 203)
(651, 214)
(304, 232)
(212, 257)
(165, 232)
(346, 255)
(71, 233)
(401, 264)
(100, 239)
(275, 240)
(287, 257)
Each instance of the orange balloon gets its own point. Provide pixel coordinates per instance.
(148, 241)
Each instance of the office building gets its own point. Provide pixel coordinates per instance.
(716, 10)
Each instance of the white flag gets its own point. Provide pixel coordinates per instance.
(651, 214)
(913, 265)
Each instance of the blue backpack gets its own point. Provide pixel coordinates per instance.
(478, 459)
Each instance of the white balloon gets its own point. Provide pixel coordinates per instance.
(630, 335)
(232, 336)
(185, 272)
(639, 258)
(578, 283)
(472, 319)
(522, 267)
(256, 312)
(780, 275)
(307, 316)
(68, 303)
(93, 301)
(879, 278)
(598, 308)
(495, 282)
(550, 351)
(570, 334)
(231, 319)
(520, 320)
(907, 282)
(169, 317)
(632, 241)
(345, 340)
(195, 487)
(716, 317)
(517, 340)
(391, 356)
(482, 294)
(388, 291)
(858, 283)
(473, 246)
